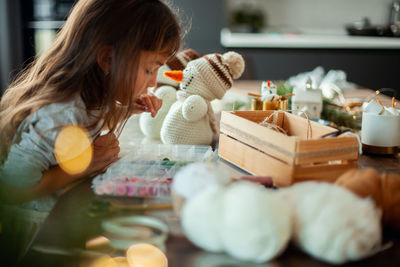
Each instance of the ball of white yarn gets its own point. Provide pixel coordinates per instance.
(256, 223)
(195, 177)
(201, 218)
(235, 62)
(333, 224)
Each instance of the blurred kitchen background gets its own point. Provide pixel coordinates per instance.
(278, 38)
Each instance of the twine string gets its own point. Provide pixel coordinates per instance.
(273, 125)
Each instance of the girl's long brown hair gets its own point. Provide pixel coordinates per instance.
(70, 67)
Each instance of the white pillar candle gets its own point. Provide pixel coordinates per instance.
(380, 130)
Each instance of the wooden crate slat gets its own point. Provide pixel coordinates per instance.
(347, 155)
(254, 161)
(328, 173)
(267, 140)
(327, 149)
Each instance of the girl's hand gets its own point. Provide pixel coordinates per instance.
(148, 103)
(105, 152)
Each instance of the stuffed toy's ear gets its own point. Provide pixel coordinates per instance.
(176, 75)
(194, 108)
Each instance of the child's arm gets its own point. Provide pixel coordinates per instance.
(105, 152)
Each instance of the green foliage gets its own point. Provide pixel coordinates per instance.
(341, 119)
(237, 105)
(283, 88)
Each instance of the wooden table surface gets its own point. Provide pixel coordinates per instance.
(61, 241)
(69, 226)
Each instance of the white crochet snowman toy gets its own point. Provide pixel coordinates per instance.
(191, 119)
(166, 91)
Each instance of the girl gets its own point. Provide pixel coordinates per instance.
(95, 75)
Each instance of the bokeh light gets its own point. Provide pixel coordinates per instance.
(73, 149)
(107, 261)
(146, 255)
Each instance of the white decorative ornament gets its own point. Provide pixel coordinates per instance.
(307, 100)
(268, 91)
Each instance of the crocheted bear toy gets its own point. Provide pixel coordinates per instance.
(191, 119)
(165, 90)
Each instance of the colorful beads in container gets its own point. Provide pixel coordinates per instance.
(191, 120)
(136, 186)
(147, 170)
(140, 179)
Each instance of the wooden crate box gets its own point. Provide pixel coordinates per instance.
(298, 156)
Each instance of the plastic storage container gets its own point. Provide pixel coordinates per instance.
(148, 169)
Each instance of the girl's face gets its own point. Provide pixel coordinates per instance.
(149, 64)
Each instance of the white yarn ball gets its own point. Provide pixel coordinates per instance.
(201, 217)
(194, 108)
(195, 177)
(256, 223)
(333, 224)
(235, 62)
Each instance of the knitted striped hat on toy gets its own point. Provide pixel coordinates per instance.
(181, 59)
(177, 62)
(216, 71)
